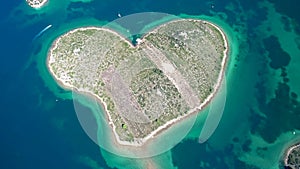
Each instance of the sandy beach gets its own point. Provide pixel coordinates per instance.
(141, 142)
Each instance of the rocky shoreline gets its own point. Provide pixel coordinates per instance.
(292, 157)
(36, 3)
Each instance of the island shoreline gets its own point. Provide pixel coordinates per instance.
(145, 140)
(288, 152)
(32, 4)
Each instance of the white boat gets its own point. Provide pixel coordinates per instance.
(40, 33)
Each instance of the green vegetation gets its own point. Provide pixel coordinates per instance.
(170, 72)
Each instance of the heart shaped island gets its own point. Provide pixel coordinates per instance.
(173, 71)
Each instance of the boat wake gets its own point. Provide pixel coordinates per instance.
(40, 33)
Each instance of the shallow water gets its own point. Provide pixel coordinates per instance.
(39, 126)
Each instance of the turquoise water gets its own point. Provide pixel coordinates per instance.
(39, 126)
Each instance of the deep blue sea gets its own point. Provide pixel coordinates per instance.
(38, 124)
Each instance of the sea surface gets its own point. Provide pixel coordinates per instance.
(40, 129)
